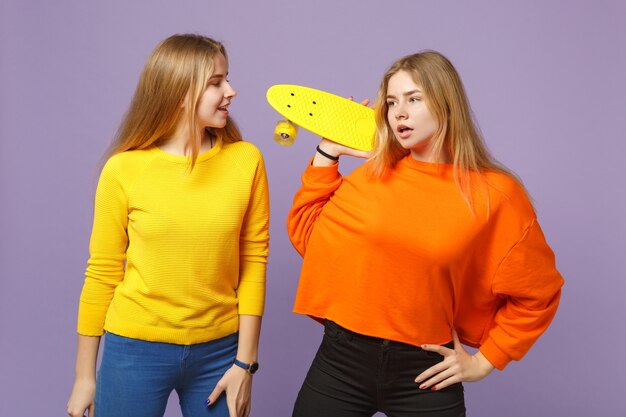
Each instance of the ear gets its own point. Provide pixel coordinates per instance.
(184, 103)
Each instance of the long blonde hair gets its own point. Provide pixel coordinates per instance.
(177, 70)
(457, 135)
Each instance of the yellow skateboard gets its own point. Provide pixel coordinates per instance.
(325, 114)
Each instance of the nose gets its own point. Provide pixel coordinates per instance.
(400, 112)
(230, 91)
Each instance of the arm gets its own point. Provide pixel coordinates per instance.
(319, 182)
(249, 332)
(254, 246)
(237, 382)
(105, 271)
(457, 366)
(528, 281)
(82, 397)
(254, 243)
(530, 284)
(107, 248)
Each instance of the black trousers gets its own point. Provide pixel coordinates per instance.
(356, 376)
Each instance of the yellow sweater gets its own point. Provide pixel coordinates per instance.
(176, 256)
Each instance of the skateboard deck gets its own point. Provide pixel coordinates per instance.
(328, 115)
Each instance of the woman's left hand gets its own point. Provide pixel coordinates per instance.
(237, 383)
(457, 366)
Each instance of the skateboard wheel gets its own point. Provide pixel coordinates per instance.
(285, 132)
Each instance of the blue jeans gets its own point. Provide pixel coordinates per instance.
(136, 377)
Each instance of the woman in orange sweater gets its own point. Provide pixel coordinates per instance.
(429, 244)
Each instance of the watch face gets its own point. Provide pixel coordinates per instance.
(254, 366)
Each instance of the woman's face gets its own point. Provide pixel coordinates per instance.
(411, 121)
(212, 108)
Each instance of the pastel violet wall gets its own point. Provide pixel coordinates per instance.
(546, 80)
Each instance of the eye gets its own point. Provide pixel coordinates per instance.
(414, 99)
(216, 82)
(391, 103)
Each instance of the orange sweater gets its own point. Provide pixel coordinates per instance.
(405, 259)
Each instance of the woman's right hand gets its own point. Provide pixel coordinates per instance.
(82, 398)
(335, 149)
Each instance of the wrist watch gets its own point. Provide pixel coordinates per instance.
(250, 368)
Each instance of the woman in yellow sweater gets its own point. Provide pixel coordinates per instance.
(176, 274)
(428, 245)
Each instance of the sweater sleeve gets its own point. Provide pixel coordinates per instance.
(254, 246)
(530, 285)
(107, 247)
(318, 185)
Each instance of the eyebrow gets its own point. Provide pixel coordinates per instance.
(218, 76)
(408, 93)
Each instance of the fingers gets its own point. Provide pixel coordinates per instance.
(434, 381)
(442, 350)
(215, 394)
(365, 102)
(73, 412)
(441, 381)
(433, 370)
(456, 341)
(235, 385)
(334, 148)
(458, 347)
(232, 408)
(237, 407)
(457, 366)
(77, 413)
(357, 153)
(439, 376)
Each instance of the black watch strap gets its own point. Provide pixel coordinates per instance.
(251, 367)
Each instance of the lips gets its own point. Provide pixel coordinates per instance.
(403, 131)
(224, 107)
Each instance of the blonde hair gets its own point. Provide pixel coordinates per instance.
(177, 71)
(457, 136)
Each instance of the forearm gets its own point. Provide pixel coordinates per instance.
(319, 181)
(249, 332)
(485, 367)
(329, 148)
(333, 151)
(86, 356)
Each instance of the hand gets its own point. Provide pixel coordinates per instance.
(335, 149)
(338, 149)
(457, 366)
(81, 399)
(238, 386)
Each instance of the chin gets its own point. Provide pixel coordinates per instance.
(406, 145)
(220, 125)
